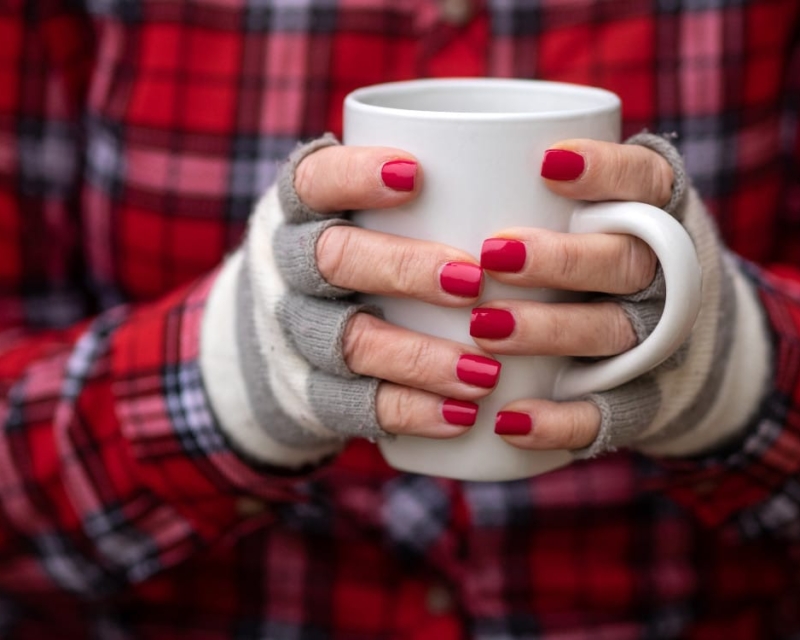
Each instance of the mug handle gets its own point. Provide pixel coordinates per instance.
(683, 277)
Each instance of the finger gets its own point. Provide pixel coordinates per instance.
(584, 169)
(543, 424)
(338, 178)
(404, 411)
(376, 348)
(516, 327)
(377, 263)
(605, 262)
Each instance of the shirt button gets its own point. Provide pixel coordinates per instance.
(439, 600)
(455, 12)
(250, 507)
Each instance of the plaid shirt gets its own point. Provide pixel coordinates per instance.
(135, 136)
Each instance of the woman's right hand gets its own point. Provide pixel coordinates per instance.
(428, 385)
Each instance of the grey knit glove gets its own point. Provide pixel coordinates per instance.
(271, 344)
(705, 393)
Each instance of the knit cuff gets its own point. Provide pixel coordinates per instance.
(295, 210)
(295, 249)
(662, 146)
(624, 413)
(316, 329)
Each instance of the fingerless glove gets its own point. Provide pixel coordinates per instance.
(705, 393)
(271, 351)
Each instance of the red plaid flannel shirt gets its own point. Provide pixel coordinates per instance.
(135, 136)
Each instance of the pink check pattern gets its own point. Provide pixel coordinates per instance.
(135, 136)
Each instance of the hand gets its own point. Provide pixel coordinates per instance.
(684, 406)
(310, 367)
(314, 366)
(418, 373)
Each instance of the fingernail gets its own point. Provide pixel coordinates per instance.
(461, 279)
(562, 164)
(512, 423)
(477, 370)
(459, 412)
(501, 254)
(399, 174)
(491, 323)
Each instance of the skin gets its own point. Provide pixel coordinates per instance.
(418, 371)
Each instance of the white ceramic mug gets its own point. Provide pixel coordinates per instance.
(480, 143)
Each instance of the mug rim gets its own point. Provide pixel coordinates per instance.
(604, 100)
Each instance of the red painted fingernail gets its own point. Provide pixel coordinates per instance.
(461, 279)
(512, 423)
(501, 254)
(399, 174)
(477, 370)
(491, 323)
(562, 164)
(459, 412)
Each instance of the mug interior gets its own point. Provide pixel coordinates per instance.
(490, 96)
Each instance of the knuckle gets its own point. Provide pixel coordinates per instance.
(420, 360)
(407, 262)
(332, 249)
(332, 179)
(637, 173)
(555, 333)
(656, 188)
(647, 176)
(621, 173)
(620, 184)
(621, 335)
(661, 179)
(303, 179)
(574, 431)
(568, 259)
(393, 404)
(347, 175)
(357, 342)
(639, 265)
(652, 182)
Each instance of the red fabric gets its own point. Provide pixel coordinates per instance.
(134, 139)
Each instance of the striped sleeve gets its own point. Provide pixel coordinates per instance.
(754, 482)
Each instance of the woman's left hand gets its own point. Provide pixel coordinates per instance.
(645, 411)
